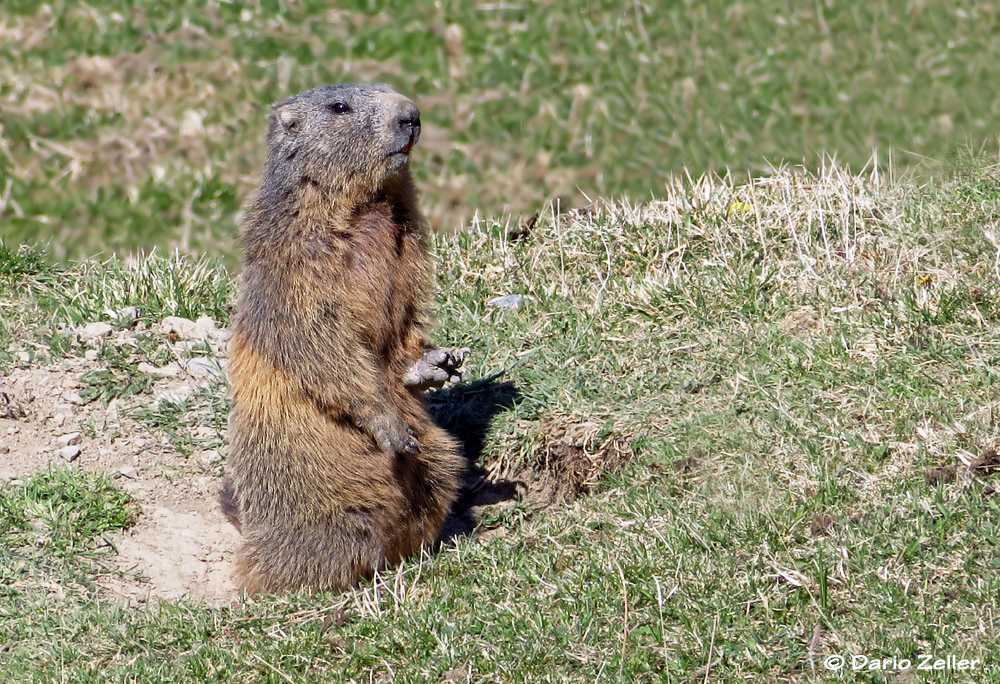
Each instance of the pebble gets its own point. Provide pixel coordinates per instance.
(4, 449)
(72, 398)
(59, 419)
(127, 316)
(207, 457)
(91, 354)
(175, 396)
(187, 329)
(130, 472)
(202, 367)
(24, 357)
(182, 327)
(511, 301)
(70, 453)
(171, 370)
(92, 331)
(69, 439)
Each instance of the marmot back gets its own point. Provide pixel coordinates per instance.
(335, 468)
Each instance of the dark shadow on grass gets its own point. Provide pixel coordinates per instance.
(466, 411)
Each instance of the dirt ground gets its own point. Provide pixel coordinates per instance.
(181, 545)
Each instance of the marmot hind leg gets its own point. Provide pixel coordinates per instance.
(333, 554)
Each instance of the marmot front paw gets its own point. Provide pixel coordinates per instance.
(392, 435)
(437, 368)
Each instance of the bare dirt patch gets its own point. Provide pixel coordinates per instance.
(180, 545)
(987, 463)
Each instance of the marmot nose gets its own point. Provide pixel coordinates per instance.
(408, 118)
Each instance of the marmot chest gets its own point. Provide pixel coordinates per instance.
(384, 273)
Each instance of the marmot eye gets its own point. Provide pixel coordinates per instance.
(340, 108)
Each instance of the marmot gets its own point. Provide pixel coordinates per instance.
(335, 466)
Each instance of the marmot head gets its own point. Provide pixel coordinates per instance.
(351, 138)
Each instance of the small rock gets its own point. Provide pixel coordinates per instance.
(4, 449)
(111, 412)
(204, 432)
(139, 443)
(207, 457)
(72, 398)
(129, 471)
(125, 316)
(59, 419)
(171, 370)
(202, 367)
(176, 396)
(92, 331)
(187, 329)
(24, 357)
(184, 328)
(69, 439)
(206, 327)
(185, 346)
(13, 430)
(511, 301)
(223, 334)
(91, 354)
(70, 453)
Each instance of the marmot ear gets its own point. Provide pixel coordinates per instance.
(287, 118)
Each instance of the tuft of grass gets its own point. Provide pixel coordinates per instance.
(21, 262)
(177, 422)
(62, 511)
(174, 285)
(117, 377)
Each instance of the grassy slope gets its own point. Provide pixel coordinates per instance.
(787, 359)
(129, 124)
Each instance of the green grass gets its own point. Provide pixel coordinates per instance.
(132, 124)
(53, 526)
(785, 360)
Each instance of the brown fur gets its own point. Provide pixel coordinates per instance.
(335, 468)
